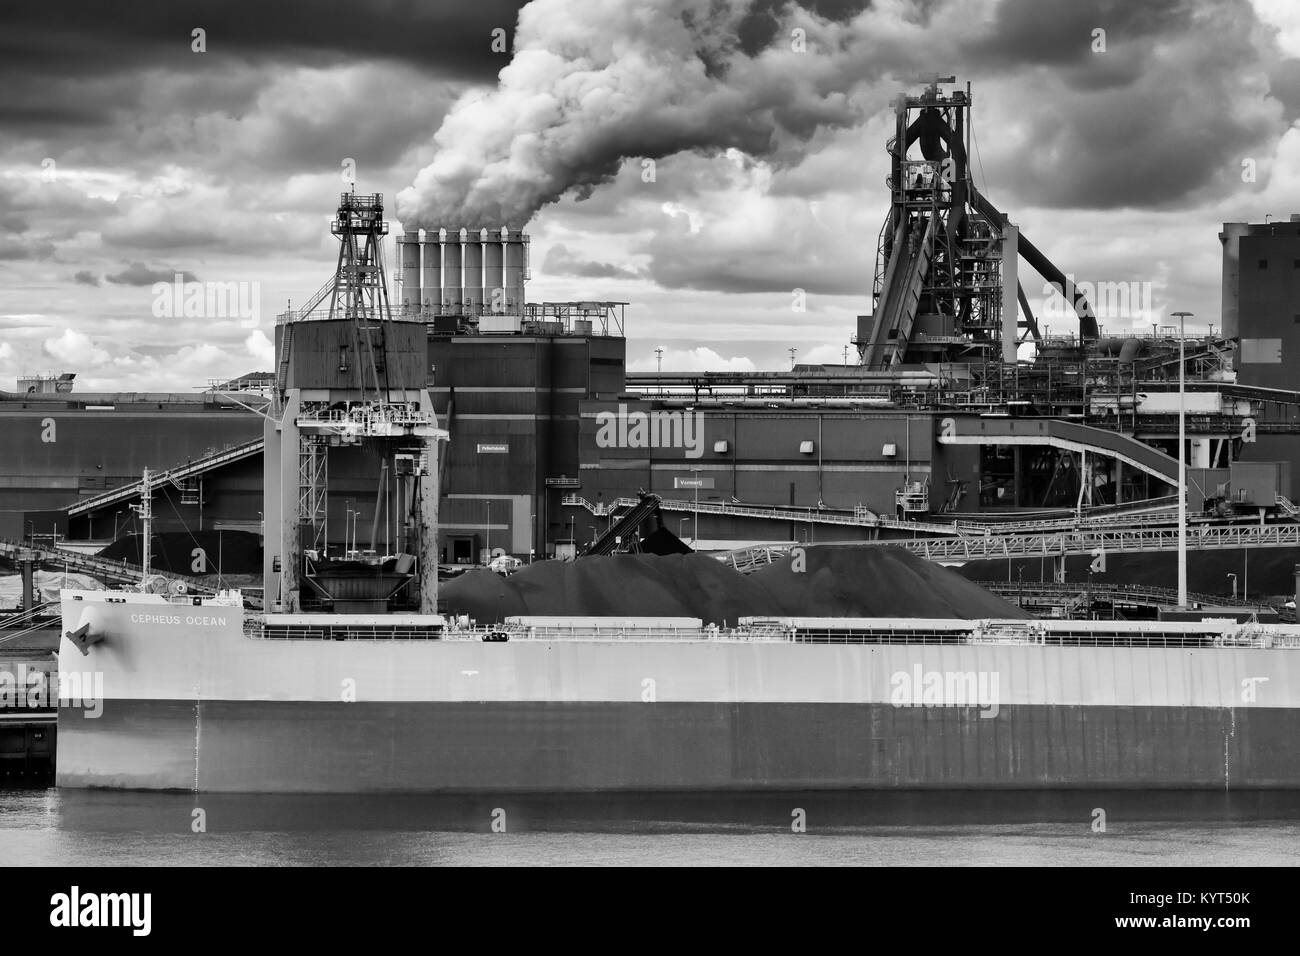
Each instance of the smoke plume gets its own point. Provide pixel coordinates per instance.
(595, 82)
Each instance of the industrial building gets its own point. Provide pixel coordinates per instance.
(552, 441)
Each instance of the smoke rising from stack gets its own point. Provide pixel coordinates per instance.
(594, 82)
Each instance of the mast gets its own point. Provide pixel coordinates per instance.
(145, 510)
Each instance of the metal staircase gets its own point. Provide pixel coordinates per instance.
(624, 529)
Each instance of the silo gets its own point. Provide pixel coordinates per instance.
(409, 255)
(1230, 303)
(452, 299)
(474, 271)
(494, 294)
(432, 273)
(515, 264)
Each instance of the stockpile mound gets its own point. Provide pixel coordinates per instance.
(861, 581)
(632, 585)
(239, 552)
(875, 581)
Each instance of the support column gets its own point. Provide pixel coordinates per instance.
(287, 520)
(427, 525)
(1010, 298)
(27, 565)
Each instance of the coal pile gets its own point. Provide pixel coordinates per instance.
(237, 552)
(834, 581)
(876, 581)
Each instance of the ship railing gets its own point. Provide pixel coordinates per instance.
(1167, 640)
(980, 634)
(587, 633)
(260, 630)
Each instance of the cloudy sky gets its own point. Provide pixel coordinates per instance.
(126, 156)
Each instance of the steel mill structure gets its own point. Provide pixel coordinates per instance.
(942, 426)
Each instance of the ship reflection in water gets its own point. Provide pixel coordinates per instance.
(65, 827)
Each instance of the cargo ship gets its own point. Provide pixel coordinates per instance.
(350, 679)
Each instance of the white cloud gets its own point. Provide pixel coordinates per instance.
(694, 360)
(75, 350)
(261, 348)
(828, 355)
(1284, 16)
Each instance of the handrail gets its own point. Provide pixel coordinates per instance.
(1050, 545)
(920, 631)
(174, 474)
(1105, 589)
(94, 565)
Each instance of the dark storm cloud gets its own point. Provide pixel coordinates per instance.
(1284, 84)
(758, 28)
(562, 261)
(91, 37)
(1059, 33)
(137, 273)
(21, 247)
(98, 85)
(1163, 116)
(85, 277)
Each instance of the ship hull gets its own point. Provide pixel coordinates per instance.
(302, 747)
(184, 699)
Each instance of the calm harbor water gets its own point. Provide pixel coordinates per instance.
(49, 827)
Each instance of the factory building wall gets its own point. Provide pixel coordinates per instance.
(1268, 307)
(51, 456)
(1261, 298)
(232, 500)
(507, 440)
(789, 458)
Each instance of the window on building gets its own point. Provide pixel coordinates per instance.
(1295, 263)
(1263, 263)
(1296, 319)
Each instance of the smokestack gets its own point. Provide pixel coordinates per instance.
(474, 269)
(452, 297)
(516, 263)
(432, 273)
(409, 253)
(494, 282)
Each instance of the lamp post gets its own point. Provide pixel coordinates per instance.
(1234, 585)
(487, 537)
(347, 525)
(1182, 459)
(695, 535)
(115, 517)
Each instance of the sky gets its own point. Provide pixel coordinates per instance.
(699, 159)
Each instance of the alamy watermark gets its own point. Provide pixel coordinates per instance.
(1109, 300)
(35, 688)
(922, 688)
(208, 300)
(656, 429)
(126, 910)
